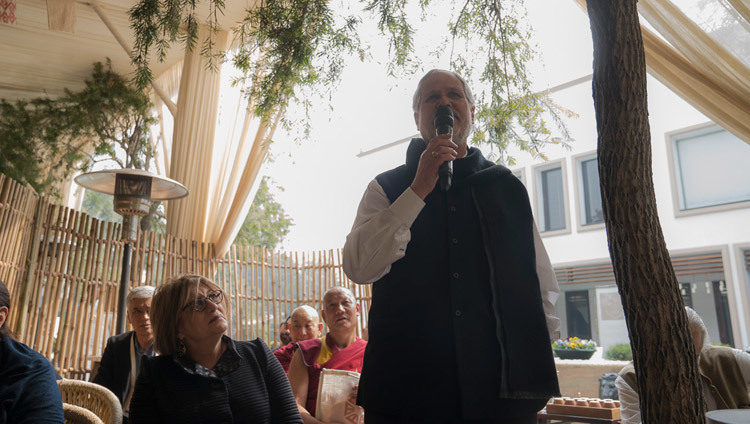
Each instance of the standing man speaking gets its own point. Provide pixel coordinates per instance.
(462, 268)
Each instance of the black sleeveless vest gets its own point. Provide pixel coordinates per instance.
(457, 326)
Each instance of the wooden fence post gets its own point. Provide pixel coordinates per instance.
(31, 268)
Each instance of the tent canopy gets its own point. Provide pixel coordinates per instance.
(47, 46)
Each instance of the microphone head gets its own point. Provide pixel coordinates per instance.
(443, 117)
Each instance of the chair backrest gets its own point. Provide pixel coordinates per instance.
(97, 399)
(78, 415)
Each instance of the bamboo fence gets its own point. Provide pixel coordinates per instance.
(62, 268)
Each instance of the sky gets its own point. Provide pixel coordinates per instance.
(324, 179)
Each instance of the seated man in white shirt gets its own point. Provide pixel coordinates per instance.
(725, 374)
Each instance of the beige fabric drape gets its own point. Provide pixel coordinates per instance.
(742, 8)
(242, 184)
(61, 15)
(695, 66)
(219, 165)
(193, 140)
(170, 82)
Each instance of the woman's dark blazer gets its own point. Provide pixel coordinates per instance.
(251, 388)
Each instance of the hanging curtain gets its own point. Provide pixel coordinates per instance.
(695, 66)
(741, 6)
(161, 135)
(193, 139)
(217, 149)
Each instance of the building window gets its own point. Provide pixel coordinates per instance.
(591, 196)
(518, 173)
(710, 168)
(686, 290)
(578, 314)
(724, 321)
(551, 197)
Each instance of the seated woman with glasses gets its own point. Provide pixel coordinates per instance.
(201, 374)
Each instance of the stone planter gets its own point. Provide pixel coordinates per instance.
(574, 354)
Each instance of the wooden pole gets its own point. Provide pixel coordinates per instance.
(124, 283)
(31, 270)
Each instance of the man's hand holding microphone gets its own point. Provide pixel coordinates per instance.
(436, 160)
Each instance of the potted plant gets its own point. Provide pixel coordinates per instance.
(574, 348)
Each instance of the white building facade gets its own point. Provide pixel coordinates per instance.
(701, 176)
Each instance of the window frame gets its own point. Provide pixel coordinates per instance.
(520, 173)
(676, 181)
(580, 193)
(539, 214)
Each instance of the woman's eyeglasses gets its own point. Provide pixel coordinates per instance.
(199, 304)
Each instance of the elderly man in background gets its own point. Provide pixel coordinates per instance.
(121, 360)
(340, 349)
(304, 324)
(725, 375)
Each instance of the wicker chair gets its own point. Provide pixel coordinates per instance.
(93, 397)
(78, 415)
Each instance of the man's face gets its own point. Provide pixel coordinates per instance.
(304, 327)
(3, 314)
(340, 312)
(443, 88)
(139, 314)
(284, 334)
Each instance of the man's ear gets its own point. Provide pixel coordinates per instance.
(416, 119)
(323, 315)
(320, 328)
(3, 314)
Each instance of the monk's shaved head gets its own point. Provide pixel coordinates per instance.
(305, 324)
(343, 290)
(308, 310)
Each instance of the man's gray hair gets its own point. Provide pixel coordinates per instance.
(418, 93)
(695, 322)
(346, 292)
(140, 292)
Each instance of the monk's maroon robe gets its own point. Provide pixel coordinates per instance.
(323, 353)
(284, 354)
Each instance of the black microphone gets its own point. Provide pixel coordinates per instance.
(444, 125)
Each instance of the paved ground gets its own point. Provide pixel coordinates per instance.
(580, 377)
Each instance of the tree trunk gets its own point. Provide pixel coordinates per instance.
(663, 353)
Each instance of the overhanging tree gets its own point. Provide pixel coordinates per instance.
(296, 50)
(663, 353)
(45, 140)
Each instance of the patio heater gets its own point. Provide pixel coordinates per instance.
(134, 190)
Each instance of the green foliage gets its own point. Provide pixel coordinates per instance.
(296, 50)
(100, 206)
(158, 23)
(293, 43)
(619, 352)
(44, 140)
(266, 223)
(41, 141)
(117, 115)
(496, 40)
